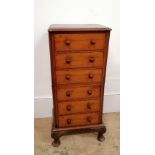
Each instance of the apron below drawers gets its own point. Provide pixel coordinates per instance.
(78, 120)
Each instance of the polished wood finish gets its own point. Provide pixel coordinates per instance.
(78, 120)
(87, 41)
(80, 60)
(74, 93)
(78, 67)
(74, 107)
(78, 28)
(78, 76)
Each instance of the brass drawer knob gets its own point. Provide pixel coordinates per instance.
(92, 59)
(68, 107)
(90, 76)
(67, 42)
(88, 106)
(89, 92)
(93, 42)
(68, 93)
(69, 121)
(89, 119)
(68, 60)
(68, 77)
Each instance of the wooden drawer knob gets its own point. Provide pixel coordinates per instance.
(92, 59)
(69, 121)
(90, 76)
(88, 106)
(68, 93)
(89, 119)
(68, 60)
(68, 107)
(93, 42)
(67, 42)
(89, 92)
(68, 77)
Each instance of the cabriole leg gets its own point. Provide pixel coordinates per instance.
(56, 137)
(100, 136)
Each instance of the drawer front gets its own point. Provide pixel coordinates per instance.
(72, 107)
(75, 60)
(88, 41)
(66, 93)
(78, 120)
(78, 76)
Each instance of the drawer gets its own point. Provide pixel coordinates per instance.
(78, 120)
(81, 41)
(72, 107)
(78, 76)
(75, 60)
(73, 93)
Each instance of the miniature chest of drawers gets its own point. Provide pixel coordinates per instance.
(78, 66)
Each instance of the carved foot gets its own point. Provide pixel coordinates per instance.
(100, 136)
(56, 141)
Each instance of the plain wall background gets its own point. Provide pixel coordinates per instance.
(48, 12)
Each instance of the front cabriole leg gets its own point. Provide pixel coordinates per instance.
(56, 136)
(100, 136)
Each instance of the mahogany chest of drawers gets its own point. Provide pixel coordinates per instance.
(78, 65)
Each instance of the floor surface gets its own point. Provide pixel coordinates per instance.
(81, 144)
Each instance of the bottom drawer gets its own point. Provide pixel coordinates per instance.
(78, 120)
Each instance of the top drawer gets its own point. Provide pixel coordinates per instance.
(81, 41)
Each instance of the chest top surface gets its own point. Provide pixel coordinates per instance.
(77, 27)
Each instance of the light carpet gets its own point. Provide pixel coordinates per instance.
(80, 144)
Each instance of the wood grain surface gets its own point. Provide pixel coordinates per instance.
(78, 120)
(80, 60)
(78, 56)
(88, 41)
(73, 107)
(75, 93)
(71, 76)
